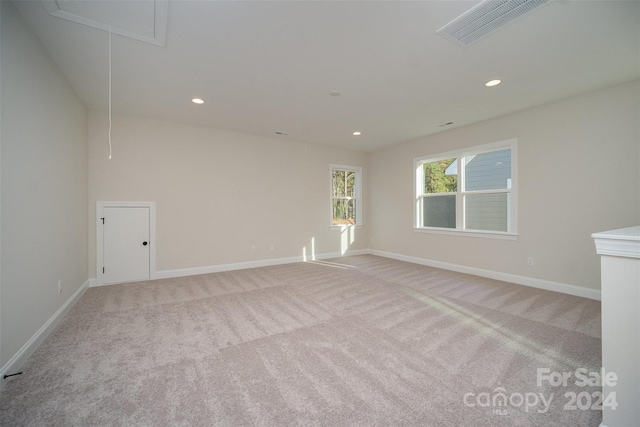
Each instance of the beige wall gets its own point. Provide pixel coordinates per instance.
(218, 193)
(578, 171)
(44, 186)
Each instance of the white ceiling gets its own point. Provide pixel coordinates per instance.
(144, 20)
(269, 66)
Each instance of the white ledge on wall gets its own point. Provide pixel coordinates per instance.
(467, 233)
(624, 242)
(620, 262)
(345, 227)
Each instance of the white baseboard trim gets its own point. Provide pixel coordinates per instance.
(15, 363)
(496, 275)
(30, 346)
(166, 274)
(182, 272)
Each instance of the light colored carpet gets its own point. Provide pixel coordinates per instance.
(358, 340)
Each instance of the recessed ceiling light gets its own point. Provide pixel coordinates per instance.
(492, 83)
(334, 93)
(357, 133)
(197, 101)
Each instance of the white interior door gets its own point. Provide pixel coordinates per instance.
(126, 244)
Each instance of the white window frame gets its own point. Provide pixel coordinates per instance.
(460, 230)
(357, 197)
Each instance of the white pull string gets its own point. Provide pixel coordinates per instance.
(109, 91)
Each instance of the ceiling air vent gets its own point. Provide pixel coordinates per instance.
(487, 17)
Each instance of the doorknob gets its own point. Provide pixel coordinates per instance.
(144, 243)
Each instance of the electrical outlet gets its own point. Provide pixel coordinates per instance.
(59, 286)
(253, 248)
(530, 262)
(272, 247)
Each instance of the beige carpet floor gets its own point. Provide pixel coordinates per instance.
(358, 341)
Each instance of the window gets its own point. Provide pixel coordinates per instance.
(345, 195)
(470, 191)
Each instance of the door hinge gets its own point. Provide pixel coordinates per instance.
(102, 270)
(102, 221)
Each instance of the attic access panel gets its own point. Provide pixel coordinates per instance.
(143, 20)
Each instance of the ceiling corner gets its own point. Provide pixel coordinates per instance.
(144, 20)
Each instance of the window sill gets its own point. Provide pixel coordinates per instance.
(342, 227)
(465, 233)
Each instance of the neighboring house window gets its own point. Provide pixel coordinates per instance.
(471, 190)
(345, 195)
